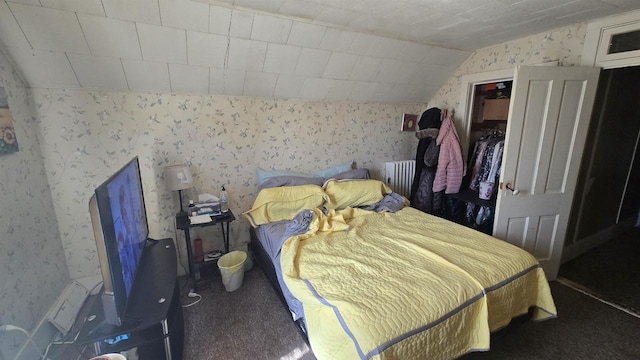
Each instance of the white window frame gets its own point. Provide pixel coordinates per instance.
(598, 38)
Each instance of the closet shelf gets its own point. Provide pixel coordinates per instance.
(471, 196)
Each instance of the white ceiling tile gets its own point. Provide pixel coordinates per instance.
(363, 44)
(145, 11)
(259, 84)
(363, 91)
(383, 93)
(312, 62)
(300, 8)
(98, 72)
(365, 68)
(189, 79)
(340, 90)
(307, 35)
(184, 14)
(219, 19)
(10, 32)
(110, 37)
(93, 7)
(265, 5)
(387, 71)
(44, 68)
(270, 28)
(339, 66)
(289, 86)
(50, 29)
(28, 2)
(226, 82)
(337, 40)
(339, 4)
(623, 4)
(316, 89)
(337, 16)
(246, 54)
(241, 24)
(159, 43)
(411, 51)
(408, 14)
(281, 59)
(366, 22)
(376, 8)
(147, 75)
(206, 49)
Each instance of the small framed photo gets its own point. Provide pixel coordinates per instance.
(409, 122)
(8, 142)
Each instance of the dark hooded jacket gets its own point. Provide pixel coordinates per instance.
(422, 196)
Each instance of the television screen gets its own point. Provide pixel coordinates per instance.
(121, 230)
(129, 220)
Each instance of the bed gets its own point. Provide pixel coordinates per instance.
(367, 277)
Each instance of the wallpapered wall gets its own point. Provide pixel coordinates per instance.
(564, 45)
(32, 264)
(86, 136)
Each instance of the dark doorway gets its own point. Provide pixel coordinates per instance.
(608, 192)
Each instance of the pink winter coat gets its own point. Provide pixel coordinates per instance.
(451, 167)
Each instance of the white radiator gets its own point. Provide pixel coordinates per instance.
(399, 176)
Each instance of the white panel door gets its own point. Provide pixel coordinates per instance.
(548, 121)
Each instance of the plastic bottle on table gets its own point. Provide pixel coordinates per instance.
(224, 201)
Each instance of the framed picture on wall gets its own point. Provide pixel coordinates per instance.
(8, 142)
(409, 122)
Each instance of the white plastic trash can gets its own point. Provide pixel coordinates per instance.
(232, 269)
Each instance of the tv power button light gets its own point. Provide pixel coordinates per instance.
(161, 300)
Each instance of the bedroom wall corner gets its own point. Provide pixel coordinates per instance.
(32, 262)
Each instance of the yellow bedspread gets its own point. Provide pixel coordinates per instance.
(407, 285)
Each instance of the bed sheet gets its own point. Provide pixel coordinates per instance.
(272, 236)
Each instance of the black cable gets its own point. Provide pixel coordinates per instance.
(175, 236)
(81, 353)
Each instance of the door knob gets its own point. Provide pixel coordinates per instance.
(510, 187)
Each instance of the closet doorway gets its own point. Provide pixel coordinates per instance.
(549, 112)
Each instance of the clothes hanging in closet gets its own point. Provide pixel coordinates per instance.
(422, 195)
(486, 161)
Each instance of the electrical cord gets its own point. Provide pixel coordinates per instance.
(193, 295)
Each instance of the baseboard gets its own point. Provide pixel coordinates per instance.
(590, 242)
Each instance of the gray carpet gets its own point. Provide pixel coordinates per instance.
(251, 323)
(611, 270)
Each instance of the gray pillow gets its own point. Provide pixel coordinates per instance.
(277, 181)
(353, 174)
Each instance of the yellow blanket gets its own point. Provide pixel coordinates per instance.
(407, 285)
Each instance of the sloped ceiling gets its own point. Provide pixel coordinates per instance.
(363, 50)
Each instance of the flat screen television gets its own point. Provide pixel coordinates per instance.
(119, 220)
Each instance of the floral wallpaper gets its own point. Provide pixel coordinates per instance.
(563, 45)
(32, 263)
(86, 136)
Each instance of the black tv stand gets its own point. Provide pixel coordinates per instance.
(153, 322)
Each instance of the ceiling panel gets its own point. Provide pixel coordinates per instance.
(361, 50)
